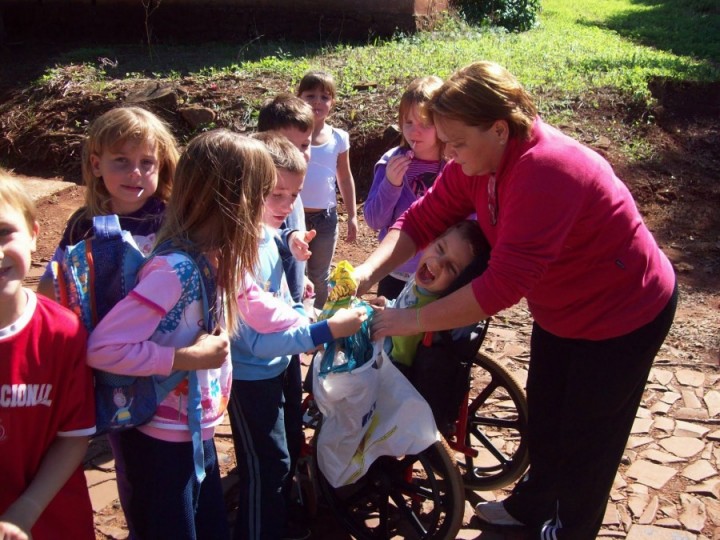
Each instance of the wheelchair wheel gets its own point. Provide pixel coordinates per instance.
(496, 428)
(414, 497)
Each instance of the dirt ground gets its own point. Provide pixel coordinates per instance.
(674, 179)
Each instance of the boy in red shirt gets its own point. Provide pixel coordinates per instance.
(47, 410)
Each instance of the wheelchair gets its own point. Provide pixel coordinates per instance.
(422, 496)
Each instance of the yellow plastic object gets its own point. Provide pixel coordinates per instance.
(343, 289)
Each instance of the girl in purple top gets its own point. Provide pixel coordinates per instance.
(404, 173)
(565, 235)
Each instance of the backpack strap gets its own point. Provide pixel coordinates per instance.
(107, 227)
(194, 405)
(207, 287)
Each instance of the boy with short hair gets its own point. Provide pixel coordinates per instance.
(292, 117)
(47, 410)
(265, 401)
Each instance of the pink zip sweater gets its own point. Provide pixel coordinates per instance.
(568, 238)
(163, 312)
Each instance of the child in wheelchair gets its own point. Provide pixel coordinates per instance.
(369, 409)
(438, 364)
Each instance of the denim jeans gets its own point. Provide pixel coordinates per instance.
(166, 500)
(123, 484)
(323, 249)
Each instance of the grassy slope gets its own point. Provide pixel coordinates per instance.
(577, 46)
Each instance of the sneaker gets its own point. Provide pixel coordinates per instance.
(494, 513)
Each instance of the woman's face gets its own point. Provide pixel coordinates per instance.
(477, 150)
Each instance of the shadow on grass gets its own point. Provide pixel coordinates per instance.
(682, 27)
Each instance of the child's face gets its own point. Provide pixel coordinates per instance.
(282, 199)
(130, 174)
(420, 135)
(301, 139)
(442, 261)
(320, 101)
(17, 243)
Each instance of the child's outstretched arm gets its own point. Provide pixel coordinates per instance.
(264, 313)
(62, 459)
(346, 184)
(344, 323)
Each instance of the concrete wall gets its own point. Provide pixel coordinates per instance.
(203, 20)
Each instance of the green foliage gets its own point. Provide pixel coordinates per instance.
(513, 15)
(576, 48)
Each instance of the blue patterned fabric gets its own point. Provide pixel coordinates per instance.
(96, 274)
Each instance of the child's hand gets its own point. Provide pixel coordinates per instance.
(345, 322)
(352, 228)
(19, 518)
(299, 243)
(10, 531)
(208, 352)
(308, 289)
(396, 168)
(378, 303)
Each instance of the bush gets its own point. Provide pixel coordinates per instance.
(513, 15)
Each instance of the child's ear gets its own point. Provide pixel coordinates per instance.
(95, 165)
(34, 232)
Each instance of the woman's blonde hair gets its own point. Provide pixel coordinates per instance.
(110, 132)
(318, 79)
(481, 93)
(418, 93)
(13, 195)
(221, 182)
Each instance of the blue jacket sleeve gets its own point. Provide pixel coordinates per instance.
(292, 341)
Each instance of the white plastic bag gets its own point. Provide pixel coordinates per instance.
(369, 412)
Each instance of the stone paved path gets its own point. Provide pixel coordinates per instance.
(668, 487)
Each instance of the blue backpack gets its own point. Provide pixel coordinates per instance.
(96, 274)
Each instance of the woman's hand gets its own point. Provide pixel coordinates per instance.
(208, 352)
(396, 168)
(362, 274)
(394, 322)
(345, 322)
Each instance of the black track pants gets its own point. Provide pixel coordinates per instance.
(582, 400)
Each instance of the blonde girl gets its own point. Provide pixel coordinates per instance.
(128, 164)
(329, 167)
(404, 173)
(215, 213)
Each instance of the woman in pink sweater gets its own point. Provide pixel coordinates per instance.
(566, 236)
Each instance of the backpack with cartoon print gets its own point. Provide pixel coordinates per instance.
(95, 274)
